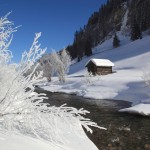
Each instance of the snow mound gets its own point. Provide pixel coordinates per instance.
(142, 109)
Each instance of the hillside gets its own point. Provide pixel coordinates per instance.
(118, 55)
(131, 17)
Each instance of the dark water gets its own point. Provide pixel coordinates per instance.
(124, 131)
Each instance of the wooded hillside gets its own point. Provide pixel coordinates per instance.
(107, 21)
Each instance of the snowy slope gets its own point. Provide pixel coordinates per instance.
(131, 59)
(123, 53)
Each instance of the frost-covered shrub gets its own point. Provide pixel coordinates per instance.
(90, 79)
(146, 78)
(60, 64)
(66, 60)
(21, 109)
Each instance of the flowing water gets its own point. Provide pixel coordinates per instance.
(124, 131)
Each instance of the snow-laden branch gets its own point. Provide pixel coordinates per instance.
(6, 30)
(29, 58)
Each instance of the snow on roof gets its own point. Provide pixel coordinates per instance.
(101, 62)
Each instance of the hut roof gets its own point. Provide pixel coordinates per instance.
(101, 62)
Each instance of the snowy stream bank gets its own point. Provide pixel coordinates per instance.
(123, 130)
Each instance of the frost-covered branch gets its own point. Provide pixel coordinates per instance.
(29, 58)
(6, 30)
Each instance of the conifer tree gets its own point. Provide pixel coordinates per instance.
(116, 41)
(135, 31)
(88, 47)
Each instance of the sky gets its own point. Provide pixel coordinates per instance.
(56, 19)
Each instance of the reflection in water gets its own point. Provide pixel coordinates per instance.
(124, 131)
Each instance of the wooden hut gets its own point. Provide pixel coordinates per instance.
(99, 66)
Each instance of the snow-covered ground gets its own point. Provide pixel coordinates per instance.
(143, 109)
(71, 138)
(131, 61)
(20, 142)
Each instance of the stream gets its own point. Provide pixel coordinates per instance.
(124, 131)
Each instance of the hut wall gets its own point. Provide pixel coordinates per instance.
(103, 70)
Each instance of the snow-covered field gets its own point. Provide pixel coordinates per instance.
(131, 61)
